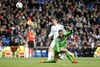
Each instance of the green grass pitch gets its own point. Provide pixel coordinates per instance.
(34, 62)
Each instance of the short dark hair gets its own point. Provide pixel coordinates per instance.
(54, 18)
(60, 31)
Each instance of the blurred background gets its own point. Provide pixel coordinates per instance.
(82, 15)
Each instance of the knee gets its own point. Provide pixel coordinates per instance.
(65, 51)
(50, 48)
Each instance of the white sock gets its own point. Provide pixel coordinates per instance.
(26, 52)
(49, 55)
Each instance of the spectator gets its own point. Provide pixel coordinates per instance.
(1, 45)
(31, 41)
(84, 19)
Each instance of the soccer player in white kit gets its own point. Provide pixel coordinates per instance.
(54, 32)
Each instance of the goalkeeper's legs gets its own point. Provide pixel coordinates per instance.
(49, 61)
(56, 57)
(69, 55)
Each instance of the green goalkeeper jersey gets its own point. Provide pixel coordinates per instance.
(60, 42)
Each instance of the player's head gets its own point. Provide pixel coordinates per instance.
(60, 33)
(54, 20)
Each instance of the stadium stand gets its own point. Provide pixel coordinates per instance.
(82, 15)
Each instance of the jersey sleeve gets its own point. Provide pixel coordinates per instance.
(68, 33)
(62, 28)
(51, 33)
(56, 48)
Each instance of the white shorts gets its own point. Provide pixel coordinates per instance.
(52, 43)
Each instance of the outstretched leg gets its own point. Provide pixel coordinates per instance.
(50, 53)
(69, 55)
(51, 61)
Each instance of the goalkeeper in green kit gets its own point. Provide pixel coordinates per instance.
(60, 47)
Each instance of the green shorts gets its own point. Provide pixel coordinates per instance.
(56, 55)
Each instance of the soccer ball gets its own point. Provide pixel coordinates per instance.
(19, 5)
(61, 56)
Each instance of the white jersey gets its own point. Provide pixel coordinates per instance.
(55, 29)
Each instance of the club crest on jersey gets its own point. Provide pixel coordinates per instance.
(61, 39)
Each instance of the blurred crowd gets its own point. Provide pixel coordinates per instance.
(82, 15)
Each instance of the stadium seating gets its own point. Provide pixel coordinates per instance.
(4, 40)
(8, 54)
(44, 53)
(7, 41)
(38, 53)
(82, 15)
(20, 54)
(34, 53)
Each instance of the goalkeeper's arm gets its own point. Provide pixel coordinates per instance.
(69, 32)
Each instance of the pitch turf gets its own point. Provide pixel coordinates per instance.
(34, 62)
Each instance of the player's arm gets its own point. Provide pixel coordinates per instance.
(62, 28)
(70, 31)
(50, 35)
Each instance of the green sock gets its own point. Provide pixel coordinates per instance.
(49, 61)
(72, 56)
(69, 56)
